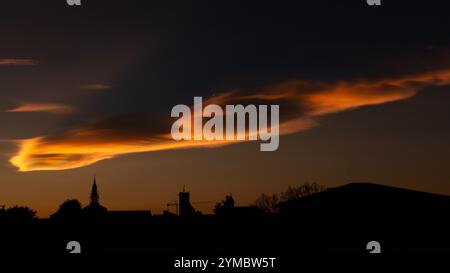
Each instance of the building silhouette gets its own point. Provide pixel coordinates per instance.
(376, 199)
(185, 207)
(94, 210)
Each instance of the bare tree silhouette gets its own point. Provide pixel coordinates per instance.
(306, 189)
(268, 203)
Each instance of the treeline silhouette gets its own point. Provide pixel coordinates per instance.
(19, 214)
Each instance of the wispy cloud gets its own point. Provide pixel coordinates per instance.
(97, 86)
(17, 62)
(54, 108)
(302, 103)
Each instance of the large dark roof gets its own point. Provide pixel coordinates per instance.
(355, 193)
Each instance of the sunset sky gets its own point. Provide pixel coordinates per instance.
(363, 91)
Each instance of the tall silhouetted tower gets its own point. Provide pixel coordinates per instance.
(94, 193)
(184, 202)
(94, 210)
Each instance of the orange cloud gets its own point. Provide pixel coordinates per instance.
(37, 154)
(302, 103)
(345, 96)
(17, 62)
(54, 108)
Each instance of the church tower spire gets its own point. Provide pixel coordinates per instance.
(94, 193)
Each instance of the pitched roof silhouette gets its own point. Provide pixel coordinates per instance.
(368, 195)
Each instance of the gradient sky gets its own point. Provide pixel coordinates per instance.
(363, 94)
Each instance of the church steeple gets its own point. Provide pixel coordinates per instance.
(94, 194)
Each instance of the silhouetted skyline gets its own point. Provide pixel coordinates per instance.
(313, 221)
